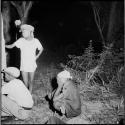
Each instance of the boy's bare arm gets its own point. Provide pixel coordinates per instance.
(40, 52)
(10, 46)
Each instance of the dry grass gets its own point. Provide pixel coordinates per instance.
(97, 107)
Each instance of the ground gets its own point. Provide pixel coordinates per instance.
(92, 111)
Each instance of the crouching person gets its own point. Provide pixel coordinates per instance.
(16, 99)
(67, 101)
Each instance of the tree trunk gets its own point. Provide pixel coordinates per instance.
(4, 63)
(112, 21)
(5, 21)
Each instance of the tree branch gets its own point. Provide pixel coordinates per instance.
(28, 7)
(24, 6)
(13, 3)
(97, 20)
(103, 25)
(18, 7)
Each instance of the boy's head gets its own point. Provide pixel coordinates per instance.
(11, 73)
(63, 76)
(27, 30)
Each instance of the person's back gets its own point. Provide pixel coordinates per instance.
(67, 101)
(16, 98)
(72, 99)
(18, 92)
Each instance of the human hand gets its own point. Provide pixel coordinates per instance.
(10, 46)
(37, 56)
(49, 95)
(6, 46)
(62, 108)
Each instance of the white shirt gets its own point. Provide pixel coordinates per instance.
(28, 53)
(18, 92)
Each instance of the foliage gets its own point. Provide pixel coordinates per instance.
(108, 116)
(84, 62)
(105, 65)
(100, 77)
(80, 66)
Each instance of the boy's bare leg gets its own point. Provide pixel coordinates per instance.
(25, 78)
(31, 76)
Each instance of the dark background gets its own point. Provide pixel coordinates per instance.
(63, 28)
(68, 25)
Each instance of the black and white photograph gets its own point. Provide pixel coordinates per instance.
(62, 62)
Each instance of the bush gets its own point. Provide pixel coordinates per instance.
(101, 69)
(101, 78)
